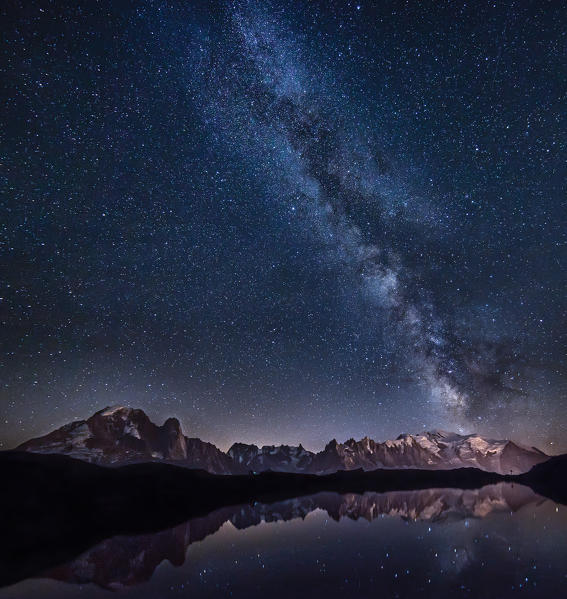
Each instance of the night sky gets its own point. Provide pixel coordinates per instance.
(285, 221)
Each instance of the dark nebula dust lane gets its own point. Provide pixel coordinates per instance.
(286, 220)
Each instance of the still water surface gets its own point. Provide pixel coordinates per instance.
(499, 541)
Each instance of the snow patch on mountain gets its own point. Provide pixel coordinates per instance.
(111, 410)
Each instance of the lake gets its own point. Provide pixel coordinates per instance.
(499, 541)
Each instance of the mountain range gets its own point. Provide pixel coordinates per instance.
(119, 435)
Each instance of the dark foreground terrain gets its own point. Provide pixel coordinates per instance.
(55, 507)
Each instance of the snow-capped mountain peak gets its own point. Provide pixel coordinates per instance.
(120, 435)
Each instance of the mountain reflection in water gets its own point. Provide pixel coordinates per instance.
(127, 561)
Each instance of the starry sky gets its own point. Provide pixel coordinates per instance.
(283, 221)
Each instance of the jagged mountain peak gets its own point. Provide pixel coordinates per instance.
(172, 424)
(119, 435)
(282, 458)
(238, 445)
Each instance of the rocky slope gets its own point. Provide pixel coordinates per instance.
(122, 435)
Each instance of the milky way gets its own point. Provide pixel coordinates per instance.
(331, 169)
(286, 222)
